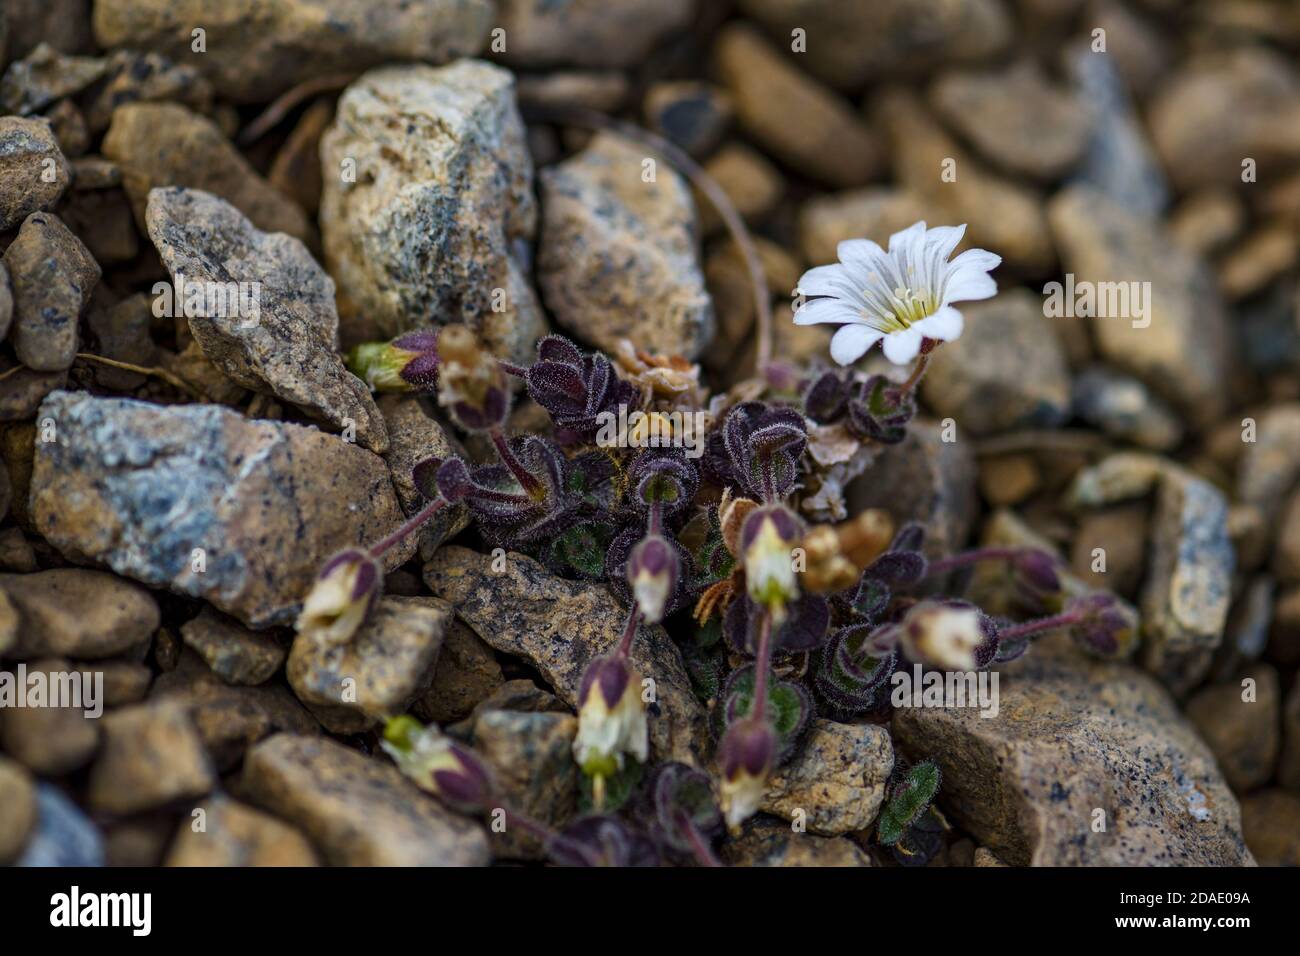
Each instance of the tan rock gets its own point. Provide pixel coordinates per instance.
(80, 613)
(152, 756)
(413, 436)
(466, 673)
(836, 778)
(236, 654)
(768, 842)
(1271, 819)
(28, 150)
(874, 213)
(50, 741)
(52, 274)
(753, 185)
(235, 834)
(18, 797)
(1239, 720)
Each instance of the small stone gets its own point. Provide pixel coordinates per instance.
(1269, 467)
(261, 51)
(522, 695)
(467, 672)
(1003, 216)
(29, 153)
(235, 834)
(69, 128)
(1262, 258)
(1110, 546)
(125, 682)
(1288, 768)
(559, 626)
(158, 493)
(95, 172)
(1009, 373)
(927, 479)
(544, 34)
(1124, 408)
(1271, 819)
(986, 857)
(435, 225)
(134, 77)
(152, 757)
(1016, 118)
(791, 115)
(875, 213)
(1162, 320)
(731, 288)
(285, 342)
(16, 552)
(194, 368)
(767, 842)
(138, 841)
(1075, 735)
(413, 436)
(122, 333)
(52, 274)
(604, 91)
(1284, 636)
(1246, 634)
(63, 835)
(387, 663)
(18, 797)
(836, 778)
(44, 76)
(618, 254)
(236, 654)
(1239, 721)
(1138, 46)
(1008, 479)
(692, 114)
(1207, 220)
(165, 144)
(79, 613)
(102, 219)
(753, 185)
(357, 810)
(530, 756)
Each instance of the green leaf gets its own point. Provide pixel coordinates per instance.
(618, 789)
(909, 799)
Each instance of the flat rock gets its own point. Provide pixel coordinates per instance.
(1125, 408)
(386, 664)
(135, 76)
(33, 170)
(43, 76)
(467, 672)
(1177, 343)
(751, 182)
(435, 224)
(165, 144)
(1009, 372)
(559, 626)
(235, 834)
(63, 836)
(767, 842)
(618, 255)
(50, 741)
(413, 436)
(152, 757)
(260, 49)
(18, 797)
(236, 654)
(201, 500)
(357, 810)
(837, 778)
(1240, 724)
(285, 343)
(52, 274)
(79, 613)
(1074, 735)
(540, 33)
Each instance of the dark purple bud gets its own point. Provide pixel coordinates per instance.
(880, 411)
(653, 571)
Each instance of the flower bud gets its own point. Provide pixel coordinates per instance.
(339, 601)
(439, 765)
(767, 542)
(1109, 628)
(652, 573)
(408, 363)
(746, 758)
(1036, 579)
(948, 635)
(611, 718)
(471, 385)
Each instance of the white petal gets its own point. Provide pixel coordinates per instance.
(851, 343)
(860, 254)
(908, 237)
(826, 310)
(967, 276)
(945, 325)
(944, 239)
(901, 347)
(827, 280)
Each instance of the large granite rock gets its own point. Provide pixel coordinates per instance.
(835, 784)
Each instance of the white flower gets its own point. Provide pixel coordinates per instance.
(611, 718)
(902, 296)
(945, 636)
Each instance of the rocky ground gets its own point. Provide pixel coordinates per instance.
(171, 487)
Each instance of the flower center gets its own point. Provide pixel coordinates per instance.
(906, 308)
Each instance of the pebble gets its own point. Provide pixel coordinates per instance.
(296, 170)
(540, 33)
(1271, 819)
(18, 797)
(751, 182)
(152, 757)
(236, 654)
(692, 114)
(44, 76)
(63, 835)
(764, 841)
(1262, 258)
(466, 674)
(146, 77)
(28, 154)
(235, 834)
(77, 612)
(603, 90)
(1125, 409)
(874, 212)
(1207, 220)
(1239, 722)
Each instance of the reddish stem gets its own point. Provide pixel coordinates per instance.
(411, 524)
(629, 632)
(1041, 625)
(762, 662)
(526, 479)
(699, 846)
(944, 565)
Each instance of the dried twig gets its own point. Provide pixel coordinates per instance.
(290, 100)
(154, 371)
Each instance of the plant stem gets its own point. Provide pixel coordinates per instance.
(699, 846)
(656, 518)
(918, 370)
(526, 479)
(762, 662)
(153, 371)
(1041, 625)
(944, 565)
(412, 523)
(629, 632)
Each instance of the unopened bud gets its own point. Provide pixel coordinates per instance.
(948, 635)
(611, 718)
(438, 765)
(345, 589)
(653, 570)
(1108, 628)
(408, 363)
(746, 758)
(767, 542)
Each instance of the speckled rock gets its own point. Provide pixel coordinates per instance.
(559, 626)
(1179, 346)
(1239, 721)
(50, 741)
(235, 834)
(768, 842)
(1120, 532)
(467, 672)
(924, 478)
(413, 436)
(1269, 467)
(434, 226)
(33, 170)
(52, 274)
(1271, 819)
(1016, 118)
(690, 113)
(792, 116)
(852, 41)
(79, 613)
(586, 33)
(377, 674)
(1124, 408)
(43, 76)
(1002, 215)
(837, 778)
(618, 255)
(159, 492)
(1010, 374)
(63, 835)
(531, 759)
(357, 810)
(146, 76)
(1075, 735)
(18, 797)
(283, 340)
(236, 654)
(260, 49)
(165, 144)
(875, 213)
(152, 756)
